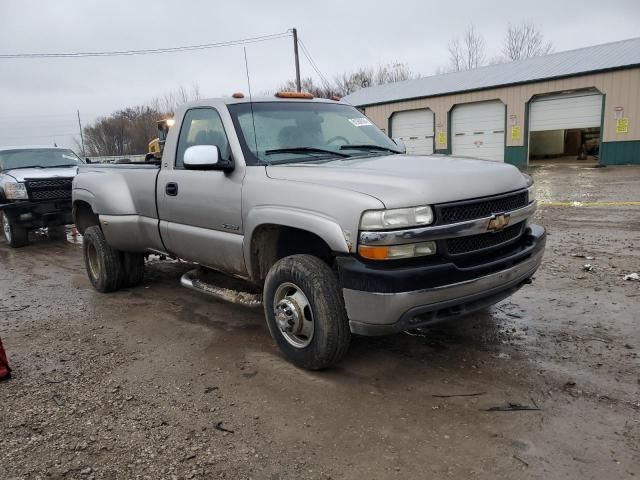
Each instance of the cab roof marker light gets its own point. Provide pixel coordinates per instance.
(304, 95)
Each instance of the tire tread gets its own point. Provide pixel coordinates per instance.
(318, 281)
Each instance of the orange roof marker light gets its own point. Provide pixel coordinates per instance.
(238, 95)
(304, 95)
(335, 98)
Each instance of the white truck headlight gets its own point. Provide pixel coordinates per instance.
(396, 218)
(15, 191)
(531, 193)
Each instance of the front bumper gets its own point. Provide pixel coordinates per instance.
(386, 312)
(36, 214)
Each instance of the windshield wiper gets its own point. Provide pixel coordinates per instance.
(368, 147)
(305, 150)
(27, 166)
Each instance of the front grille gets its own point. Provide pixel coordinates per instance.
(471, 210)
(49, 189)
(482, 241)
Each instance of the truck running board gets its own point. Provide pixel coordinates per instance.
(196, 280)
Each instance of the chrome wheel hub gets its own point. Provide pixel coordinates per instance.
(293, 315)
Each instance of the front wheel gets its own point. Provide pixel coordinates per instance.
(104, 265)
(305, 312)
(15, 234)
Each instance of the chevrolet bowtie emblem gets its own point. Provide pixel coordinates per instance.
(498, 222)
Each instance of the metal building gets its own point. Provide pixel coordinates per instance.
(576, 104)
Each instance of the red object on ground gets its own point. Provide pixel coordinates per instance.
(5, 370)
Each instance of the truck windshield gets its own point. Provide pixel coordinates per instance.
(37, 158)
(283, 132)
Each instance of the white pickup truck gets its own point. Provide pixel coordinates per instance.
(35, 191)
(323, 214)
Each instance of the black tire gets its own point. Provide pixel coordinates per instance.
(104, 264)
(15, 234)
(57, 232)
(319, 284)
(133, 264)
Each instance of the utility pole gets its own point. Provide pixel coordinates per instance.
(81, 135)
(295, 53)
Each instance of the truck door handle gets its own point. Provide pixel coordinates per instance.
(171, 189)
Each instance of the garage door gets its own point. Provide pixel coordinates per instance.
(415, 128)
(478, 130)
(566, 112)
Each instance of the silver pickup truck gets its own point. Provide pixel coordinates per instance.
(310, 203)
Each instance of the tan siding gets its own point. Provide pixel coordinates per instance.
(622, 89)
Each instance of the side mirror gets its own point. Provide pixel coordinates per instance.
(87, 160)
(202, 157)
(398, 141)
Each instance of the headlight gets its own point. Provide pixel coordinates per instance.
(15, 191)
(396, 252)
(396, 218)
(531, 193)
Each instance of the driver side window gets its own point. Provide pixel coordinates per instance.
(202, 126)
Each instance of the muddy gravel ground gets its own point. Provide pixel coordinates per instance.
(161, 382)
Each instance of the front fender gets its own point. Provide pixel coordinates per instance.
(323, 226)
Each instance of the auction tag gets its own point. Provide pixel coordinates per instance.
(360, 122)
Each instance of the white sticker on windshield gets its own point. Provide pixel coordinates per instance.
(360, 122)
(68, 157)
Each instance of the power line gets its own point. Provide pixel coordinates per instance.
(306, 53)
(148, 51)
(50, 134)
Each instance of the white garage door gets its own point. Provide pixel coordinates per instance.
(565, 112)
(478, 130)
(415, 128)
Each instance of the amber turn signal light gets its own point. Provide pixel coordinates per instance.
(373, 253)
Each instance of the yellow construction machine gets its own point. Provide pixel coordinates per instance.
(156, 146)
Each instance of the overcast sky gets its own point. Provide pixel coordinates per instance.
(39, 97)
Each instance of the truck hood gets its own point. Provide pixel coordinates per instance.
(405, 180)
(22, 174)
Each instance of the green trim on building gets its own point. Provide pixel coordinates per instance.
(516, 156)
(449, 150)
(620, 153)
(525, 135)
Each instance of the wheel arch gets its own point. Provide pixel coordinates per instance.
(83, 215)
(283, 232)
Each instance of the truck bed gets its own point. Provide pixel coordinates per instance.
(124, 197)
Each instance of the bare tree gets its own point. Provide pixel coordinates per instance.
(168, 103)
(524, 41)
(364, 77)
(128, 131)
(349, 82)
(467, 53)
(308, 85)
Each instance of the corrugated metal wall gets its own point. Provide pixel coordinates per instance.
(621, 87)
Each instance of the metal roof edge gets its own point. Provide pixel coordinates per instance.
(500, 85)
